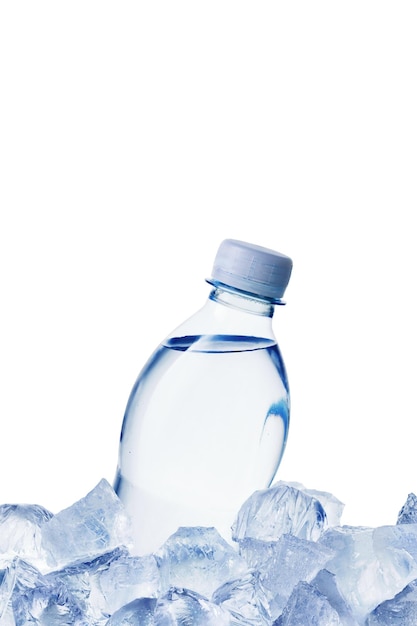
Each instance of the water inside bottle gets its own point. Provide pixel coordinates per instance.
(205, 426)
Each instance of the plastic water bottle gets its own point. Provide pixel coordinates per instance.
(207, 420)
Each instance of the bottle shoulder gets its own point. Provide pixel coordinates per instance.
(216, 318)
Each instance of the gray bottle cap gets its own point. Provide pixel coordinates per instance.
(251, 268)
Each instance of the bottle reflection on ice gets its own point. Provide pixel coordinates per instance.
(207, 419)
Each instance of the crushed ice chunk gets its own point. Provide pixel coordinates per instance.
(245, 599)
(370, 564)
(185, 607)
(90, 591)
(178, 606)
(139, 612)
(284, 563)
(20, 530)
(325, 582)
(38, 599)
(270, 513)
(127, 578)
(400, 610)
(332, 505)
(7, 583)
(198, 558)
(408, 512)
(308, 607)
(94, 525)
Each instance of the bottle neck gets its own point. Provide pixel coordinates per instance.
(242, 302)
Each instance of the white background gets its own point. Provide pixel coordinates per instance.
(134, 137)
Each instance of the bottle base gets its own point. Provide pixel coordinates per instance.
(155, 519)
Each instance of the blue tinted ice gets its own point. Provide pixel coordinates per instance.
(177, 606)
(245, 599)
(332, 505)
(127, 578)
(184, 607)
(345, 576)
(284, 563)
(398, 611)
(20, 530)
(370, 564)
(38, 599)
(91, 591)
(308, 607)
(408, 513)
(270, 513)
(95, 524)
(325, 582)
(198, 558)
(139, 612)
(7, 582)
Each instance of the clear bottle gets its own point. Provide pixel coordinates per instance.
(207, 420)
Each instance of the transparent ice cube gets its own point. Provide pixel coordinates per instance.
(308, 607)
(284, 563)
(184, 607)
(325, 582)
(139, 612)
(408, 512)
(270, 513)
(91, 591)
(198, 558)
(371, 565)
(20, 531)
(39, 599)
(333, 506)
(126, 579)
(398, 611)
(96, 524)
(245, 599)
(7, 583)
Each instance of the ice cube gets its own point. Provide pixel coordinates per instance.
(103, 585)
(93, 589)
(125, 579)
(270, 513)
(20, 531)
(7, 583)
(333, 506)
(198, 558)
(325, 583)
(371, 565)
(284, 563)
(398, 611)
(408, 513)
(81, 584)
(139, 612)
(38, 599)
(184, 607)
(96, 524)
(308, 607)
(245, 599)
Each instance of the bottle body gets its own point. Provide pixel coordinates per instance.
(206, 422)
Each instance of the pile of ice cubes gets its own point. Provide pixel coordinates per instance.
(291, 563)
